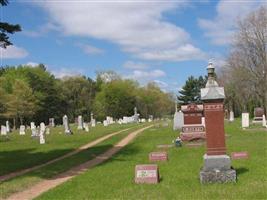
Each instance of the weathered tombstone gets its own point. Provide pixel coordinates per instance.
(3, 130)
(93, 122)
(33, 125)
(7, 127)
(33, 129)
(158, 156)
(178, 120)
(245, 120)
(264, 121)
(42, 133)
(86, 127)
(232, 117)
(66, 125)
(22, 130)
(136, 115)
(146, 174)
(193, 127)
(258, 113)
(52, 122)
(217, 165)
(80, 122)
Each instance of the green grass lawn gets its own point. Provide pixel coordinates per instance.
(22, 182)
(22, 151)
(114, 179)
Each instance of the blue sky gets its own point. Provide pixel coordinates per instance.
(161, 41)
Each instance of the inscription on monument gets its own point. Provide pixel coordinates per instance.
(146, 174)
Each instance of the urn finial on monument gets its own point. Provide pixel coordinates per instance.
(217, 165)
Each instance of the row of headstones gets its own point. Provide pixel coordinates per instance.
(245, 120)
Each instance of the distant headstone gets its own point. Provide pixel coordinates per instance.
(33, 125)
(264, 121)
(258, 114)
(3, 130)
(146, 174)
(80, 122)
(239, 155)
(22, 130)
(42, 133)
(178, 120)
(245, 120)
(158, 156)
(93, 121)
(7, 127)
(86, 127)
(66, 125)
(105, 123)
(52, 122)
(232, 117)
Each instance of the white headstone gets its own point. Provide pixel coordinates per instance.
(232, 117)
(93, 123)
(7, 127)
(3, 130)
(34, 131)
(264, 121)
(245, 120)
(86, 127)
(80, 122)
(178, 120)
(52, 122)
(33, 125)
(66, 125)
(42, 133)
(105, 123)
(22, 130)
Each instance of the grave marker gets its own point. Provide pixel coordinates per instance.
(158, 156)
(146, 174)
(3, 130)
(239, 155)
(7, 127)
(42, 132)
(245, 120)
(258, 114)
(80, 122)
(217, 165)
(232, 116)
(66, 125)
(22, 130)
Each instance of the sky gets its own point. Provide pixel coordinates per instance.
(160, 41)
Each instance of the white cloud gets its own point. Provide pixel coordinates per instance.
(221, 29)
(65, 72)
(142, 76)
(135, 65)
(90, 50)
(32, 64)
(41, 30)
(12, 52)
(137, 27)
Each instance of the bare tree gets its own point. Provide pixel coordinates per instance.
(247, 62)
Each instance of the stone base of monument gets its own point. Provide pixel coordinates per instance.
(257, 120)
(217, 169)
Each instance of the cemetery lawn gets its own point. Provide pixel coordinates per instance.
(179, 177)
(23, 182)
(22, 151)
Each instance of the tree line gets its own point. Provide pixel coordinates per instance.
(34, 94)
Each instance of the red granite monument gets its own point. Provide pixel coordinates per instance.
(146, 174)
(217, 165)
(193, 127)
(258, 115)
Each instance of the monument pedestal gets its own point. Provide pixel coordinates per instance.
(217, 169)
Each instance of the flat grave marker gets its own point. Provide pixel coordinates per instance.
(239, 155)
(158, 156)
(146, 174)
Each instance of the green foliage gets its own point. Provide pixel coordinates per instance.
(190, 92)
(109, 95)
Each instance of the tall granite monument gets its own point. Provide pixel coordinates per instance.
(217, 165)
